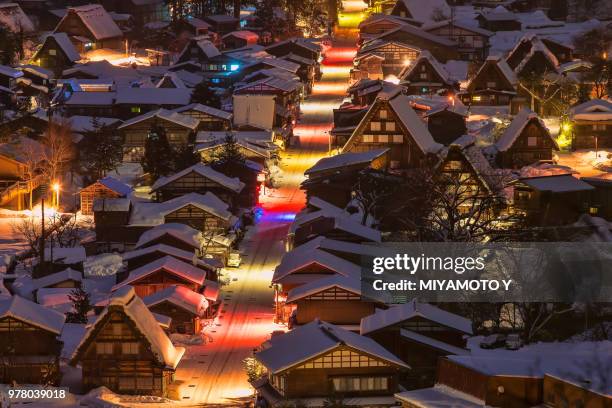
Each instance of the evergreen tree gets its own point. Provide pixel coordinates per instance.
(9, 46)
(81, 305)
(202, 93)
(269, 22)
(101, 151)
(229, 152)
(184, 157)
(158, 159)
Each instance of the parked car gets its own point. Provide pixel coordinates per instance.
(234, 260)
(493, 341)
(514, 342)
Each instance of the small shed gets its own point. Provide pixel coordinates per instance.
(107, 187)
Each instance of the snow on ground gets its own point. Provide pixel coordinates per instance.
(587, 163)
(103, 265)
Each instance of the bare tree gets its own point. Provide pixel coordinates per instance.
(59, 149)
(33, 158)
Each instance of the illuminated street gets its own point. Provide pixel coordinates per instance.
(213, 373)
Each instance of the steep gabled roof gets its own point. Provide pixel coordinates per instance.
(425, 56)
(186, 256)
(97, 21)
(464, 25)
(116, 185)
(412, 30)
(32, 313)
(148, 213)
(345, 159)
(170, 264)
(400, 313)
(314, 339)
(400, 104)
(209, 110)
(207, 47)
(348, 283)
(233, 184)
(512, 132)
(180, 296)
(426, 11)
(58, 277)
(181, 232)
(129, 303)
(64, 43)
(595, 109)
(503, 67)
(164, 114)
(299, 258)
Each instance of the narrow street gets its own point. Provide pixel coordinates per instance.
(213, 373)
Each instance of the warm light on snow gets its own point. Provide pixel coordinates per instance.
(393, 79)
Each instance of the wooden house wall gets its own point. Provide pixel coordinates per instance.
(90, 193)
(52, 57)
(588, 134)
(197, 218)
(208, 122)
(74, 26)
(334, 306)
(424, 80)
(194, 182)
(500, 25)
(31, 354)
(403, 153)
(116, 368)
(446, 126)
(471, 45)
(602, 200)
(172, 241)
(462, 378)
(545, 208)
(135, 136)
(519, 392)
(521, 153)
(160, 280)
(441, 52)
(396, 57)
(537, 64)
(558, 393)
(318, 382)
(378, 27)
(183, 321)
(479, 93)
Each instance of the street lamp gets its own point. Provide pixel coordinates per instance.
(56, 191)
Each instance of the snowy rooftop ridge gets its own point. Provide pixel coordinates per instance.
(180, 296)
(517, 126)
(417, 129)
(97, 20)
(208, 172)
(409, 310)
(32, 313)
(204, 109)
(65, 44)
(165, 114)
(425, 12)
(170, 264)
(182, 232)
(161, 346)
(345, 159)
(349, 283)
(58, 277)
(314, 339)
(595, 109)
(300, 258)
(186, 256)
(116, 185)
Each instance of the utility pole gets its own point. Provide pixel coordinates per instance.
(42, 233)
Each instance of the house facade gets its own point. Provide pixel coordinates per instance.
(493, 85)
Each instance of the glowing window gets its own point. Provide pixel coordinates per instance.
(383, 138)
(368, 138)
(375, 126)
(398, 138)
(234, 67)
(532, 141)
(390, 126)
(135, 109)
(382, 114)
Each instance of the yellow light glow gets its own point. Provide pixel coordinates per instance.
(407, 62)
(56, 187)
(566, 127)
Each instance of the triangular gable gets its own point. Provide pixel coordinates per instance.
(502, 71)
(432, 65)
(516, 128)
(406, 121)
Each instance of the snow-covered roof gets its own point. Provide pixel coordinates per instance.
(499, 13)
(243, 34)
(377, 17)
(537, 46)
(206, 263)
(173, 78)
(302, 42)
(285, 85)
(164, 114)
(425, 12)
(371, 46)
(32, 313)
(153, 96)
(148, 213)
(134, 308)
(64, 43)
(345, 159)
(433, 62)
(10, 71)
(431, 342)
(406, 311)
(351, 283)
(412, 30)
(233, 184)
(116, 185)
(314, 339)
(97, 21)
(558, 183)
(180, 296)
(112, 204)
(13, 18)
(56, 298)
(512, 132)
(351, 226)
(58, 277)
(537, 19)
(66, 255)
(211, 290)
(182, 232)
(207, 47)
(299, 258)
(209, 110)
(463, 24)
(503, 66)
(439, 396)
(593, 110)
(169, 263)
(415, 126)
